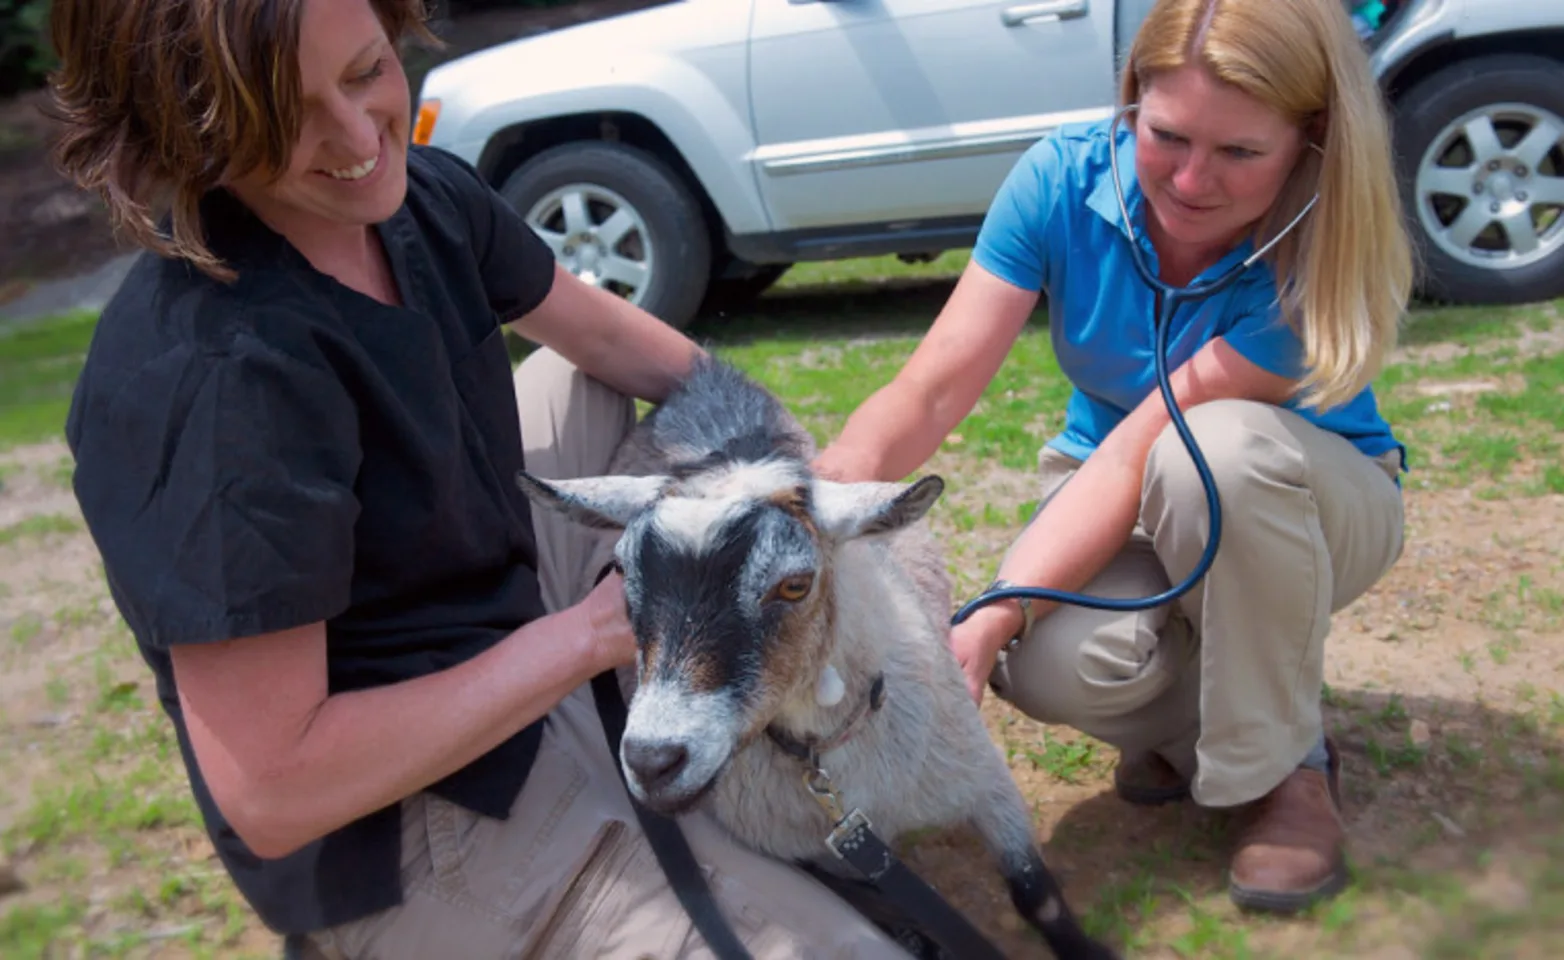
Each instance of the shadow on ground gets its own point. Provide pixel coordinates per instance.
(907, 306)
(866, 309)
(1456, 847)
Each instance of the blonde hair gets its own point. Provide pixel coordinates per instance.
(1345, 273)
(160, 99)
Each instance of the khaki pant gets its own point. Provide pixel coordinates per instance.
(1225, 682)
(569, 873)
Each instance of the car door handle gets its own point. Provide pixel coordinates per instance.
(1025, 13)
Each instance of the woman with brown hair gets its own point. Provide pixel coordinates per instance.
(296, 435)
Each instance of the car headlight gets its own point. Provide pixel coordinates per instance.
(423, 124)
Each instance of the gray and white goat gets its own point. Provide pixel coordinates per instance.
(766, 603)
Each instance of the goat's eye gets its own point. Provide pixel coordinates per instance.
(794, 589)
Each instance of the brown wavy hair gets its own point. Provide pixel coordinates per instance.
(161, 100)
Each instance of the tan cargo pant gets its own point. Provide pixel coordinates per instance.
(1225, 682)
(569, 873)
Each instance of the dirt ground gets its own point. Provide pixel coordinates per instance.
(1444, 699)
(1444, 696)
(52, 229)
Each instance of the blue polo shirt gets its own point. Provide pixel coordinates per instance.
(1055, 225)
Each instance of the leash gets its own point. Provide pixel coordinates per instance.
(667, 841)
(853, 840)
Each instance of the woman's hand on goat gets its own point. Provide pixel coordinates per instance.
(977, 640)
(287, 759)
(903, 423)
(613, 640)
(844, 465)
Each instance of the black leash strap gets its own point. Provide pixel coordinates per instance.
(666, 839)
(854, 840)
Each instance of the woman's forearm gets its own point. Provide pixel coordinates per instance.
(1091, 518)
(609, 338)
(641, 356)
(890, 435)
(360, 751)
(1082, 528)
(901, 425)
(1086, 523)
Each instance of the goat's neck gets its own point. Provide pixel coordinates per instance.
(863, 626)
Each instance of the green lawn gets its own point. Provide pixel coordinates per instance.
(38, 368)
(94, 811)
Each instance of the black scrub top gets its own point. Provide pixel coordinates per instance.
(286, 450)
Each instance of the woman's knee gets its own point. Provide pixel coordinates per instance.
(1243, 442)
(570, 422)
(1087, 674)
(545, 378)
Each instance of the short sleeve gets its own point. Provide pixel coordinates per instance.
(516, 266)
(1013, 243)
(219, 488)
(1262, 337)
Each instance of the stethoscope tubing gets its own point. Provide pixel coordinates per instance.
(1171, 299)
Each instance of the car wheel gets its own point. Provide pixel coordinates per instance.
(1480, 149)
(617, 217)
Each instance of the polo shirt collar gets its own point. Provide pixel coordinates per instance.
(1103, 200)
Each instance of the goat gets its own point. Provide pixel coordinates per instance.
(766, 602)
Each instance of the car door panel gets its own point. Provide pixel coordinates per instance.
(880, 111)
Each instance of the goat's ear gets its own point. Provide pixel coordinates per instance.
(847, 510)
(604, 503)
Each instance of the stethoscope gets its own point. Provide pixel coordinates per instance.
(1168, 300)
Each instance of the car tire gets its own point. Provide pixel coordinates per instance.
(1467, 174)
(618, 217)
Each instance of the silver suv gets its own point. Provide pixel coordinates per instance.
(685, 155)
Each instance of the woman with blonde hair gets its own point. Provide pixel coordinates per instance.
(1237, 113)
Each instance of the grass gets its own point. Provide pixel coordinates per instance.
(38, 525)
(1477, 326)
(1063, 758)
(1477, 419)
(95, 811)
(39, 364)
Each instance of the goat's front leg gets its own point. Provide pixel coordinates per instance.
(1005, 824)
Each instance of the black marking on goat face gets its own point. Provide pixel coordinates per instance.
(703, 597)
(717, 650)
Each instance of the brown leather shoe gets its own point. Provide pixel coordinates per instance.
(1147, 780)
(1291, 854)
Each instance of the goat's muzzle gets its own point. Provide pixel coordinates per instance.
(676, 744)
(655, 764)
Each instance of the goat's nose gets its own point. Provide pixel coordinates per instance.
(657, 763)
